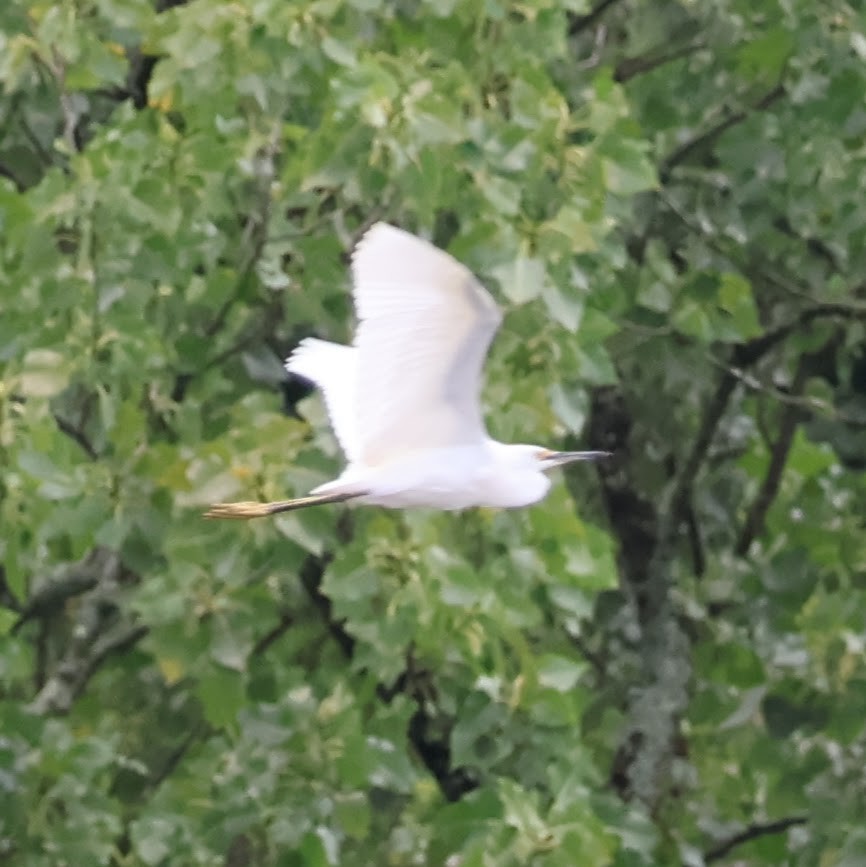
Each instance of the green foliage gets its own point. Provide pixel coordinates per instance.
(662, 663)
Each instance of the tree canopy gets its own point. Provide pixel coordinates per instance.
(662, 663)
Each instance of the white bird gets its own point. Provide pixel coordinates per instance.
(404, 398)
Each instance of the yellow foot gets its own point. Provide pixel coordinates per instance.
(239, 511)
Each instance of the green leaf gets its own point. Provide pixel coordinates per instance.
(522, 279)
(559, 672)
(502, 194)
(353, 813)
(627, 167)
(736, 299)
(765, 56)
(221, 692)
(570, 406)
(152, 838)
(44, 373)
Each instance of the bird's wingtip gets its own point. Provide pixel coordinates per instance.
(377, 230)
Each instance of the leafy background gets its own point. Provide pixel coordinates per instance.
(663, 663)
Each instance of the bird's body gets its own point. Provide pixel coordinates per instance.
(405, 398)
(452, 478)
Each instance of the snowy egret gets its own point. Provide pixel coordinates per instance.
(404, 398)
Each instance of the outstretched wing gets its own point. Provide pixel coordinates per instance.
(424, 327)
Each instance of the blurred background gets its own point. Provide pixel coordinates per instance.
(661, 664)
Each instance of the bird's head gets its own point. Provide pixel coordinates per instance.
(535, 458)
(518, 475)
(548, 460)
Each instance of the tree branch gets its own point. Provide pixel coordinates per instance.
(76, 434)
(632, 518)
(429, 734)
(253, 240)
(284, 624)
(55, 66)
(255, 232)
(6, 172)
(44, 155)
(177, 754)
(647, 747)
(743, 355)
(792, 413)
(748, 353)
(7, 597)
(116, 640)
(755, 265)
(99, 631)
(311, 573)
(580, 23)
(631, 67)
(754, 523)
(676, 506)
(696, 543)
(685, 150)
(47, 597)
(752, 832)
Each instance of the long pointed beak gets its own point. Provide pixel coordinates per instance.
(559, 459)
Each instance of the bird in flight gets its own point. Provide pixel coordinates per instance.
(424, 327)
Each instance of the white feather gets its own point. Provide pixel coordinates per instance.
(333, 368)
(424, 327)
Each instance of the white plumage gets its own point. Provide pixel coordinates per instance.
(334, 369)
(405, 398)
(424, 327)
